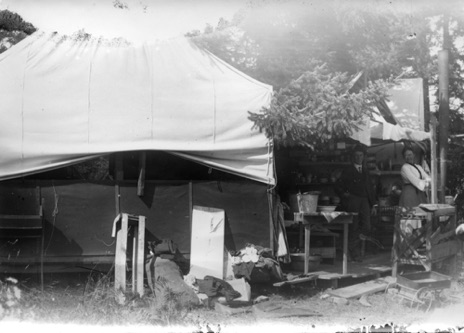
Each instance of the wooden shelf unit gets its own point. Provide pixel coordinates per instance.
(432, 243)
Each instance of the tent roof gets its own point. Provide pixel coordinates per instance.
(400, 118)
(67, 99)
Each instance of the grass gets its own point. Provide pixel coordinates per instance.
(96, 302)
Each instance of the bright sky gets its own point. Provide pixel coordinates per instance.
(137, 21)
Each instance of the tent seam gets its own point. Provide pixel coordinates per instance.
(88, 104)
(214, 108)
(22, 104)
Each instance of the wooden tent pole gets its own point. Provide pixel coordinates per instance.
(443, 89)
(433, 158)
(142, 171)
(119, 175)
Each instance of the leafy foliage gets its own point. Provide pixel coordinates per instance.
(317, 108)
(167, 303)
(10, 21)
(13, 29)
(94, 169)
(10, 297)
(308, 51)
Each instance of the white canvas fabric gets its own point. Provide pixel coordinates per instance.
(406, 104)
(66, 99)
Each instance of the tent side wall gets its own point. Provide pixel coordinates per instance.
(79, 215)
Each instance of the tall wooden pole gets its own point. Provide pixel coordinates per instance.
(433, 159)
(443, 111)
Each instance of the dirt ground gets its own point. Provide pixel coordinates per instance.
(61, 304)
(385, 309)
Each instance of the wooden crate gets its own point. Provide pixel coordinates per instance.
(325, 252)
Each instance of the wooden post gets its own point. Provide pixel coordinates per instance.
(395, 249)
(118, 167)
(433, 159)
(345, 248)
(307, 247)
(443, 112)
(300, 235)
(425, 86)
(271, 219)
(428, 242)
(454, 261)
(142, 170)
(138, 255)
(119, 176)
(121, 253)
(190, 208)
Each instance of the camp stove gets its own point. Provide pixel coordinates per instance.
(423, 289)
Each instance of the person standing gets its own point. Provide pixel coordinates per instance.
(415, 181)
(357, 196)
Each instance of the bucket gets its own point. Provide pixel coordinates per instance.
(307, 202)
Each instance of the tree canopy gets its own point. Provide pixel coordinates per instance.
(280, 42)
(13, 29)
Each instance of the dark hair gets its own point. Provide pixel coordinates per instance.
(359, 148)
(405, 149)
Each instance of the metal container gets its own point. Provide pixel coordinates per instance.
(419, 280)
(307, 202)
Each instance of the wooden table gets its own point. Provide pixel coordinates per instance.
(325, 219)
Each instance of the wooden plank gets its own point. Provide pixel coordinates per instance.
(207, 245)
(135, 230)
(445, 211)
(140, 254)
(345, 249)
(306, 248)
(66, 260)
(333, 276)
(302, 278)
(276, 310)
(358, 290)
(20, 217)
(120, 256)
(382, 269)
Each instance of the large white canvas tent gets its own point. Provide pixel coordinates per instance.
(64, 99)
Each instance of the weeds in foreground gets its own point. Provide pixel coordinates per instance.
(10, 296)
(97, 303)
(167, 303)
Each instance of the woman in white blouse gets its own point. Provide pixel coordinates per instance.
(415, 181)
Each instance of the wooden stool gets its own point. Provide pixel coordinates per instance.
(138, 258)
